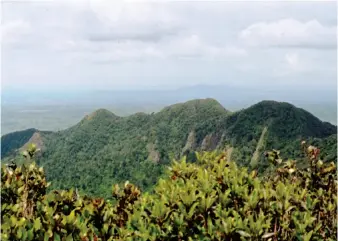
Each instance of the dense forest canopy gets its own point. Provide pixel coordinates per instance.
(104, 148)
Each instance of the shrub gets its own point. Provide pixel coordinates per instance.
(211, 199)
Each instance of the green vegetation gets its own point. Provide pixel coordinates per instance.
(15, 140)
(58, 116)
(212, 199)
(104, 148)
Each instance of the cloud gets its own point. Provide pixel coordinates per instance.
(122, 31)
(125, 32)
(127, 52)
(301, 63)
(122, 21)
(292, 60)
(13, 31)
(155, 43)
(290, 33)
(185, 47)
(294, 63)
(117, 31)
(194, 46)
(141, 34)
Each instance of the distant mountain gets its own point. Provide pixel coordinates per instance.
(104, 148)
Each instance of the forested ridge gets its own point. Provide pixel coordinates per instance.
(104, 148)
(15, 140)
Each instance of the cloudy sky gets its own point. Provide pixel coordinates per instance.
(119, 45)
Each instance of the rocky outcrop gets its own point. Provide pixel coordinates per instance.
(210, 142)
(35, 139)
(190, 144)
(260, 144)
(154, 155)
(221, 142)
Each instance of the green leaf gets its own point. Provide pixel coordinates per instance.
(268, 235)
(13, 221)
(46, 237)
(71, 217)
(37, 224)
(20, 189)
(30, 234)
(244, 234)
(19, 233)
(57, 237)
(192, 210)
(308, 236)
(69, 237)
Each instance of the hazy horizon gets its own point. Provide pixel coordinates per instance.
(56, 112)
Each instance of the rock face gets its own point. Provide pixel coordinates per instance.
(260, 144)
(35, 139)
(190, 145)
(210, 142)
(229, 150)
(154, 155)
(221, 141)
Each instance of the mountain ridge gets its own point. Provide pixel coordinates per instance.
(233, 120)
(107, 148)
(196, 103)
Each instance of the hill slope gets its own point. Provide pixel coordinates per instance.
(15, 140)
(108, 149)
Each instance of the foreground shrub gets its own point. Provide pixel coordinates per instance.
(212, 199)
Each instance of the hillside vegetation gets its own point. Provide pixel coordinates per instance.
(211, 199)
(104, 148)
(15, 140)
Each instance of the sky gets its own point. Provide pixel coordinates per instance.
(110, 45)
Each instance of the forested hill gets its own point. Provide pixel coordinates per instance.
(104, 148)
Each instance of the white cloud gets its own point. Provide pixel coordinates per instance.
(293, 60)
(194, 47)
(290, 33)
(14, 31)
(112, 42)
(295, 63)
(181, 47)
(122, 31)
(125, 52)
(131, 21)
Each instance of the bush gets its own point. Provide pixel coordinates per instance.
(211, 199)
